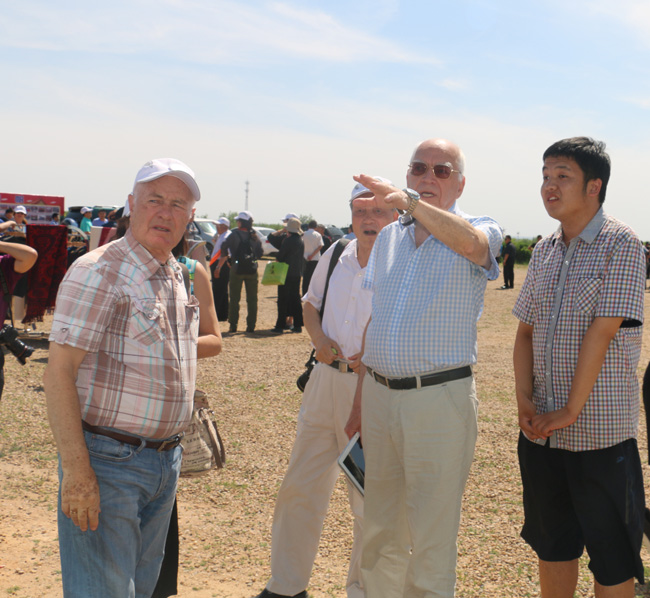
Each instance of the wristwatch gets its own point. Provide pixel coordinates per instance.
(414, 198)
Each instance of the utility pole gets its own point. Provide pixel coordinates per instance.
(246, 202)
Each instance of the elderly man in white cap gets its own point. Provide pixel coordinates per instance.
(336, 335)
(119, 386)
(220, 274)
(244, 248)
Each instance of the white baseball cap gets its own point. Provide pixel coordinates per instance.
(289, 216)
(224, 221)
(20, 210)
(85, 210)
(154, 169)
(360, 189)
(245, 215)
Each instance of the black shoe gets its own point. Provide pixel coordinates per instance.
(297, 330)
(266, 594)
(277, 330)
(503, 287)
(250, 329)
(232, 328)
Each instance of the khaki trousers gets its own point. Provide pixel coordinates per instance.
(418, 446)
(304, 496)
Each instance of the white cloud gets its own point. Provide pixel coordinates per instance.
(634, 14)
(643, 103)
(213, 32)
(456, 84)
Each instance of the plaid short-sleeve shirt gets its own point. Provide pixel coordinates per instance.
(426, 300)
(133, 317)
(600, 274)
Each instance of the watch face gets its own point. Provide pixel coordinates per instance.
(406, 218)
(412, 193)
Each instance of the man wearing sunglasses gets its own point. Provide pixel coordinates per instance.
(416, 391)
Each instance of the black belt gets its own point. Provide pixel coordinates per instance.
(428, 380)
(341, 366)
(159, 445)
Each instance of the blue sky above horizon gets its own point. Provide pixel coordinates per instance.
(296, 97)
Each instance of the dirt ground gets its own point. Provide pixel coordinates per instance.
(225, 516)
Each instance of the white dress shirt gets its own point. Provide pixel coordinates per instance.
(313, 240)
(348, 305)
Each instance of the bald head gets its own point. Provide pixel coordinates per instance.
(443, 189)
(449, 147)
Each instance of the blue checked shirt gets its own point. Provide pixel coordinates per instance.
(600, 274)
(427, 301)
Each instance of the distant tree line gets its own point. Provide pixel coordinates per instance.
(523, 249)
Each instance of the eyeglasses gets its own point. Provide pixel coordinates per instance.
(442, 171)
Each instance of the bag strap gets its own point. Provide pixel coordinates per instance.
(218, 450)
(336, 254)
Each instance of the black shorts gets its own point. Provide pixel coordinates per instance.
(593, 499)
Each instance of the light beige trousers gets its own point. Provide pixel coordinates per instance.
(418, 446)
(303, 499)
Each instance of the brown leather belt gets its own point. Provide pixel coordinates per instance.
(341, 366)
(159, 445)
(429, 380)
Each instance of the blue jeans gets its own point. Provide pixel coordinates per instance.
(122, 558)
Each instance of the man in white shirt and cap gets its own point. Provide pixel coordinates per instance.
(305, 492)
(313, 244)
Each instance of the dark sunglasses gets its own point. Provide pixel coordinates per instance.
(442, 171)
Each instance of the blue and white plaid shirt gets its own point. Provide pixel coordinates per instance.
(427, 300)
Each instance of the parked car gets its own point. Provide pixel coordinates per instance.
(203, 229)
(334, 232)
(263, 232)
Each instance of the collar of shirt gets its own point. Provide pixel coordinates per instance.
(146, 263)
(588, 233)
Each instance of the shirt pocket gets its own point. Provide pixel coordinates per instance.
(147, 322)
(587, 295)
(192, 315)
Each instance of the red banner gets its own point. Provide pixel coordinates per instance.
(39, 207)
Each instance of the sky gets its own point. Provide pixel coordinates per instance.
(294, 98)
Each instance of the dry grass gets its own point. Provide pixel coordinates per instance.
(225, 517)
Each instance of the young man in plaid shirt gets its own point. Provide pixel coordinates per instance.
(575, 358)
